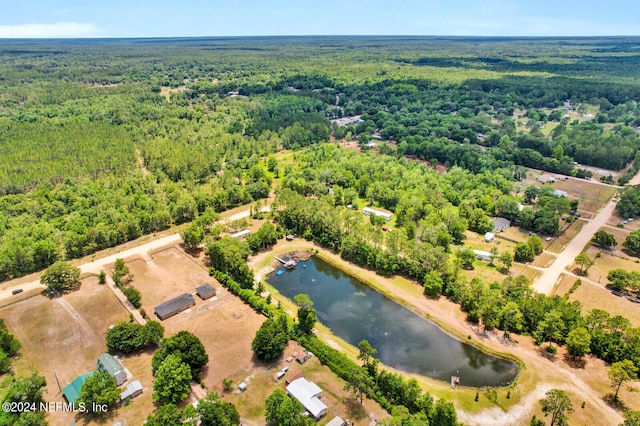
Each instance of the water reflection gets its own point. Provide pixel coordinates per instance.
(404, 340)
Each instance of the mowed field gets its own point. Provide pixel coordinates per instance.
(225, 325)
(63, 336)
(591, 194)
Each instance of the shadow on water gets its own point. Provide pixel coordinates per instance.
(404, 340)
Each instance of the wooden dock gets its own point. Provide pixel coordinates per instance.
(288, 264)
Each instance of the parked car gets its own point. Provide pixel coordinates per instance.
(17, 290)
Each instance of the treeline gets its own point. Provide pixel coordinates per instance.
(77, 218)
(511, 305)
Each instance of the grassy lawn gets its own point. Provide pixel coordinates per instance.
(544, 260)
(556, 245)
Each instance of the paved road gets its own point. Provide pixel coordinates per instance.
(551, 275)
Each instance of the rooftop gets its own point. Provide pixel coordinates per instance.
(308, 394)
(174, 304)
(109, 364)
(72, 390)
(205, 291)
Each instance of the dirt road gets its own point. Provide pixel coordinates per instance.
(96, 266)
(550, 276)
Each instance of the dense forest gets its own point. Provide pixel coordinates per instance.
(108, 140)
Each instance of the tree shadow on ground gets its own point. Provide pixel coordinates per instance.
(355, 410)
(614, 403)
(548, 355)
(575, 361)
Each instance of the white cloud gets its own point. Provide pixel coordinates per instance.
(57, 30)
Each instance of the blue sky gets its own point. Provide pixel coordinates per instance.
(163, 18)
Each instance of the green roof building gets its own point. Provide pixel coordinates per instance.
(72, 390)
(108, 364)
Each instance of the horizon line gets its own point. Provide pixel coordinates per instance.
(432, 36)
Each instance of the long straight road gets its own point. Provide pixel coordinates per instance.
(97, 265)
(551, 275)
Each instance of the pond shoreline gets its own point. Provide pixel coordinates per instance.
(434, 323)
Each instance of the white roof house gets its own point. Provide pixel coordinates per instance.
(240, 234)
(483, 255)
(559, 193)
(308, 394)
(369, 211)
(133, 389)
(488, 237)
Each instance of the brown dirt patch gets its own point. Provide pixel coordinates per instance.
(64, 335)
(594, 297)
(544, 260)
(225, 325)
(167, 274)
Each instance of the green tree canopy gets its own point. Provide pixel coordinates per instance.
(579, 341)
(306, 313)
(97, 391)
(172, 381)
(187, 347)
(214, 412)
(604, 239)
(556, 403)
(620, 372)
(270, 339)
(61, 277)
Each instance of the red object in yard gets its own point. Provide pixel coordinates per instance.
(385, 229)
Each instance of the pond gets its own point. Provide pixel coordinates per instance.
(404, 340)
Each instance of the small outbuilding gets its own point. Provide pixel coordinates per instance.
(546, 178)
(241, 234)
(303, 357)
(559, 193)
(71, 392)
(174, 306)
(489, 236)
(205, 291)
(483, 255)
(336, 421)
(108, 364)
(133, 389)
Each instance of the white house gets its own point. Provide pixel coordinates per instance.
(488, 237)
(483, 255)
(559, 193)
(308, 394)
(241, 234)
(369, 211)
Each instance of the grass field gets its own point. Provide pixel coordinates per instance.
(63, 336)
(558, 244)
(544, 260)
